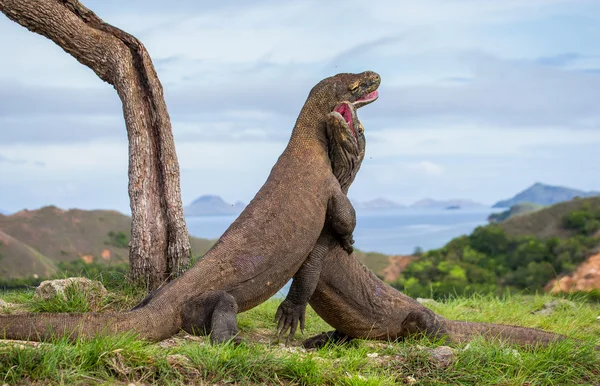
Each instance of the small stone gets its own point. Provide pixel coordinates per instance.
(411, 380)
(442, 356)
(550, 307)
(177, 359)
(3, 304)
(372, 355)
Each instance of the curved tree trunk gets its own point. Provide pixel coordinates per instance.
(159, 247)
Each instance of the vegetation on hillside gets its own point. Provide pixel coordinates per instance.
(492, 261)
(515, 210)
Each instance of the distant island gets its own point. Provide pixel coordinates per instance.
(377, 204)
(426, 203)
(542, 194)
(212, 205)
(457, 203)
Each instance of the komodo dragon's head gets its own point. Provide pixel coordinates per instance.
(357, 89)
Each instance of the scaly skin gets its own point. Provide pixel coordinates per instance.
(256, 255)
(358, 304)
(346, 152)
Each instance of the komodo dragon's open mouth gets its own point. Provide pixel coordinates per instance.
(366, 99)
(344, 109)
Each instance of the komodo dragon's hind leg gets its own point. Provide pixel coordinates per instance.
(211, 313)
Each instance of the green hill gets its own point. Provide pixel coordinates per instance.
(35, 241)
(515, 210)
(548, 222)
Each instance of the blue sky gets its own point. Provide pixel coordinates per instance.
(479, 99)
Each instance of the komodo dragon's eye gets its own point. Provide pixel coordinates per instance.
(361, 128)
(353, 86)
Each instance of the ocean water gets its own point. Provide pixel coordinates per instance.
(396, 231)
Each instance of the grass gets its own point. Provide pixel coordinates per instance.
(261, 359)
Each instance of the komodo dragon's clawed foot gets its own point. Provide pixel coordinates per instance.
(212, 313)
(288, 317)
(324, 338)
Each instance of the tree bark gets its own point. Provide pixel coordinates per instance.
(159, 246)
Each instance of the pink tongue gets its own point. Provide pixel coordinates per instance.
(369, 96)
(344, 110)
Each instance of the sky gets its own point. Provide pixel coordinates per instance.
(479, 99)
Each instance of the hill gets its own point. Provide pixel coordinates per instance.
(18, 259)
(548, 222)
(457, 203)
(211, 205)
(34, 241)
(542, 194)
(515, 210)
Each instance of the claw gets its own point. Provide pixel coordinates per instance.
(288, 317)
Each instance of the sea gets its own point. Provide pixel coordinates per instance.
(393, 232)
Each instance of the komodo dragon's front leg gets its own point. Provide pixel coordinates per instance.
(346, 152)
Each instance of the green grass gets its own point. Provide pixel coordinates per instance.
(261, 359)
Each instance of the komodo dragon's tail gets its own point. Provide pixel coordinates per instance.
(43, 327)
(460, 331)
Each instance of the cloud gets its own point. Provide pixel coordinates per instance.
(424, 167)
(508, 92)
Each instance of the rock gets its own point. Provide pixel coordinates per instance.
(442, 356)
(553, 305)
(426, 301)
(49, 289)
(3, 304)
(585, 278)
(372, 355)
(411, 380)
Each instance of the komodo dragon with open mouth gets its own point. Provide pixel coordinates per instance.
(259, 252)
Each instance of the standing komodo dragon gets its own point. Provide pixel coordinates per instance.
(257, 254)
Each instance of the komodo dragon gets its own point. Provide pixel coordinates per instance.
(352, 299)
(355, 301)
(259, 252)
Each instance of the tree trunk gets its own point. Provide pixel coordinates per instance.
(159, 246)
